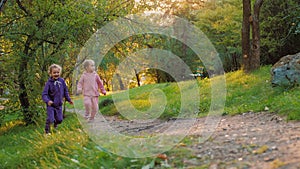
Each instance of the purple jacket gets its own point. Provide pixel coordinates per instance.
(55, 90)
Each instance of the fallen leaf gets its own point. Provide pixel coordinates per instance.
(182, 144)
(162, 156)
(261, 150)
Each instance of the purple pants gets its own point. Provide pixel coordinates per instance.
(54, 115)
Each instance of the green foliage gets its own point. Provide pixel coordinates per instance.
(40, 32)
(133, 44)
(222, 22)
(280, 25)
(36, 34)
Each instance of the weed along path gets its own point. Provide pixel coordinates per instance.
(250, 140)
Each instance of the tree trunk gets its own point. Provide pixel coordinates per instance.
(137, 77)
(121, 85)
(246, 35)
(255, 60)
(23, 95)
(158, 80)
(251, 53)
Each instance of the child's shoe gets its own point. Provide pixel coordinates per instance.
(47, 134)
(86, 117)
(91, 120)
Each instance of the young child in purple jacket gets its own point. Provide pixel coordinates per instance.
(54, 91)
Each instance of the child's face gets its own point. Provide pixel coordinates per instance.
(55, 73)
(90, 68)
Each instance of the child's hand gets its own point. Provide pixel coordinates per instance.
(50, 103)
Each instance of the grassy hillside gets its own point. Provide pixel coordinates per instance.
(254, 92)
(245, 92)
(70, 147)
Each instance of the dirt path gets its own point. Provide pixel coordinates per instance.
(250, 140)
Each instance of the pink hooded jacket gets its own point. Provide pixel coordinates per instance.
(90, 83)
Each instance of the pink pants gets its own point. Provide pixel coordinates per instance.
(91, 106)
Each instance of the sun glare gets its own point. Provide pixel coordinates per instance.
(167, 6)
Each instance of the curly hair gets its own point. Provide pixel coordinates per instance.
(51, 67)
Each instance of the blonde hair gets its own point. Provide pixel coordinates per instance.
(87, 62)
(51, 67)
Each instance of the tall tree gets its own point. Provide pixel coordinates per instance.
(256, 34)
(251, 53)
(43, 32)
(246, 34)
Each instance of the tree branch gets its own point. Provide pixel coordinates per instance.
(257, 5)
(23, 8)
(2, 3)
(48, 41)
(58, 46)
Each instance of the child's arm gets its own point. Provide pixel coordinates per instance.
(100, 85)
(66, 93)
(45, 95)
(80, 85)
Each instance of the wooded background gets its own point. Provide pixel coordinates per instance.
(35, 34)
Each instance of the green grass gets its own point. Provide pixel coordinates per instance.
(245, 92)
(27, 147)
(70, 147)
(253, 92)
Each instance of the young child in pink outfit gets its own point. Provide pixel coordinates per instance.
(90, 83)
